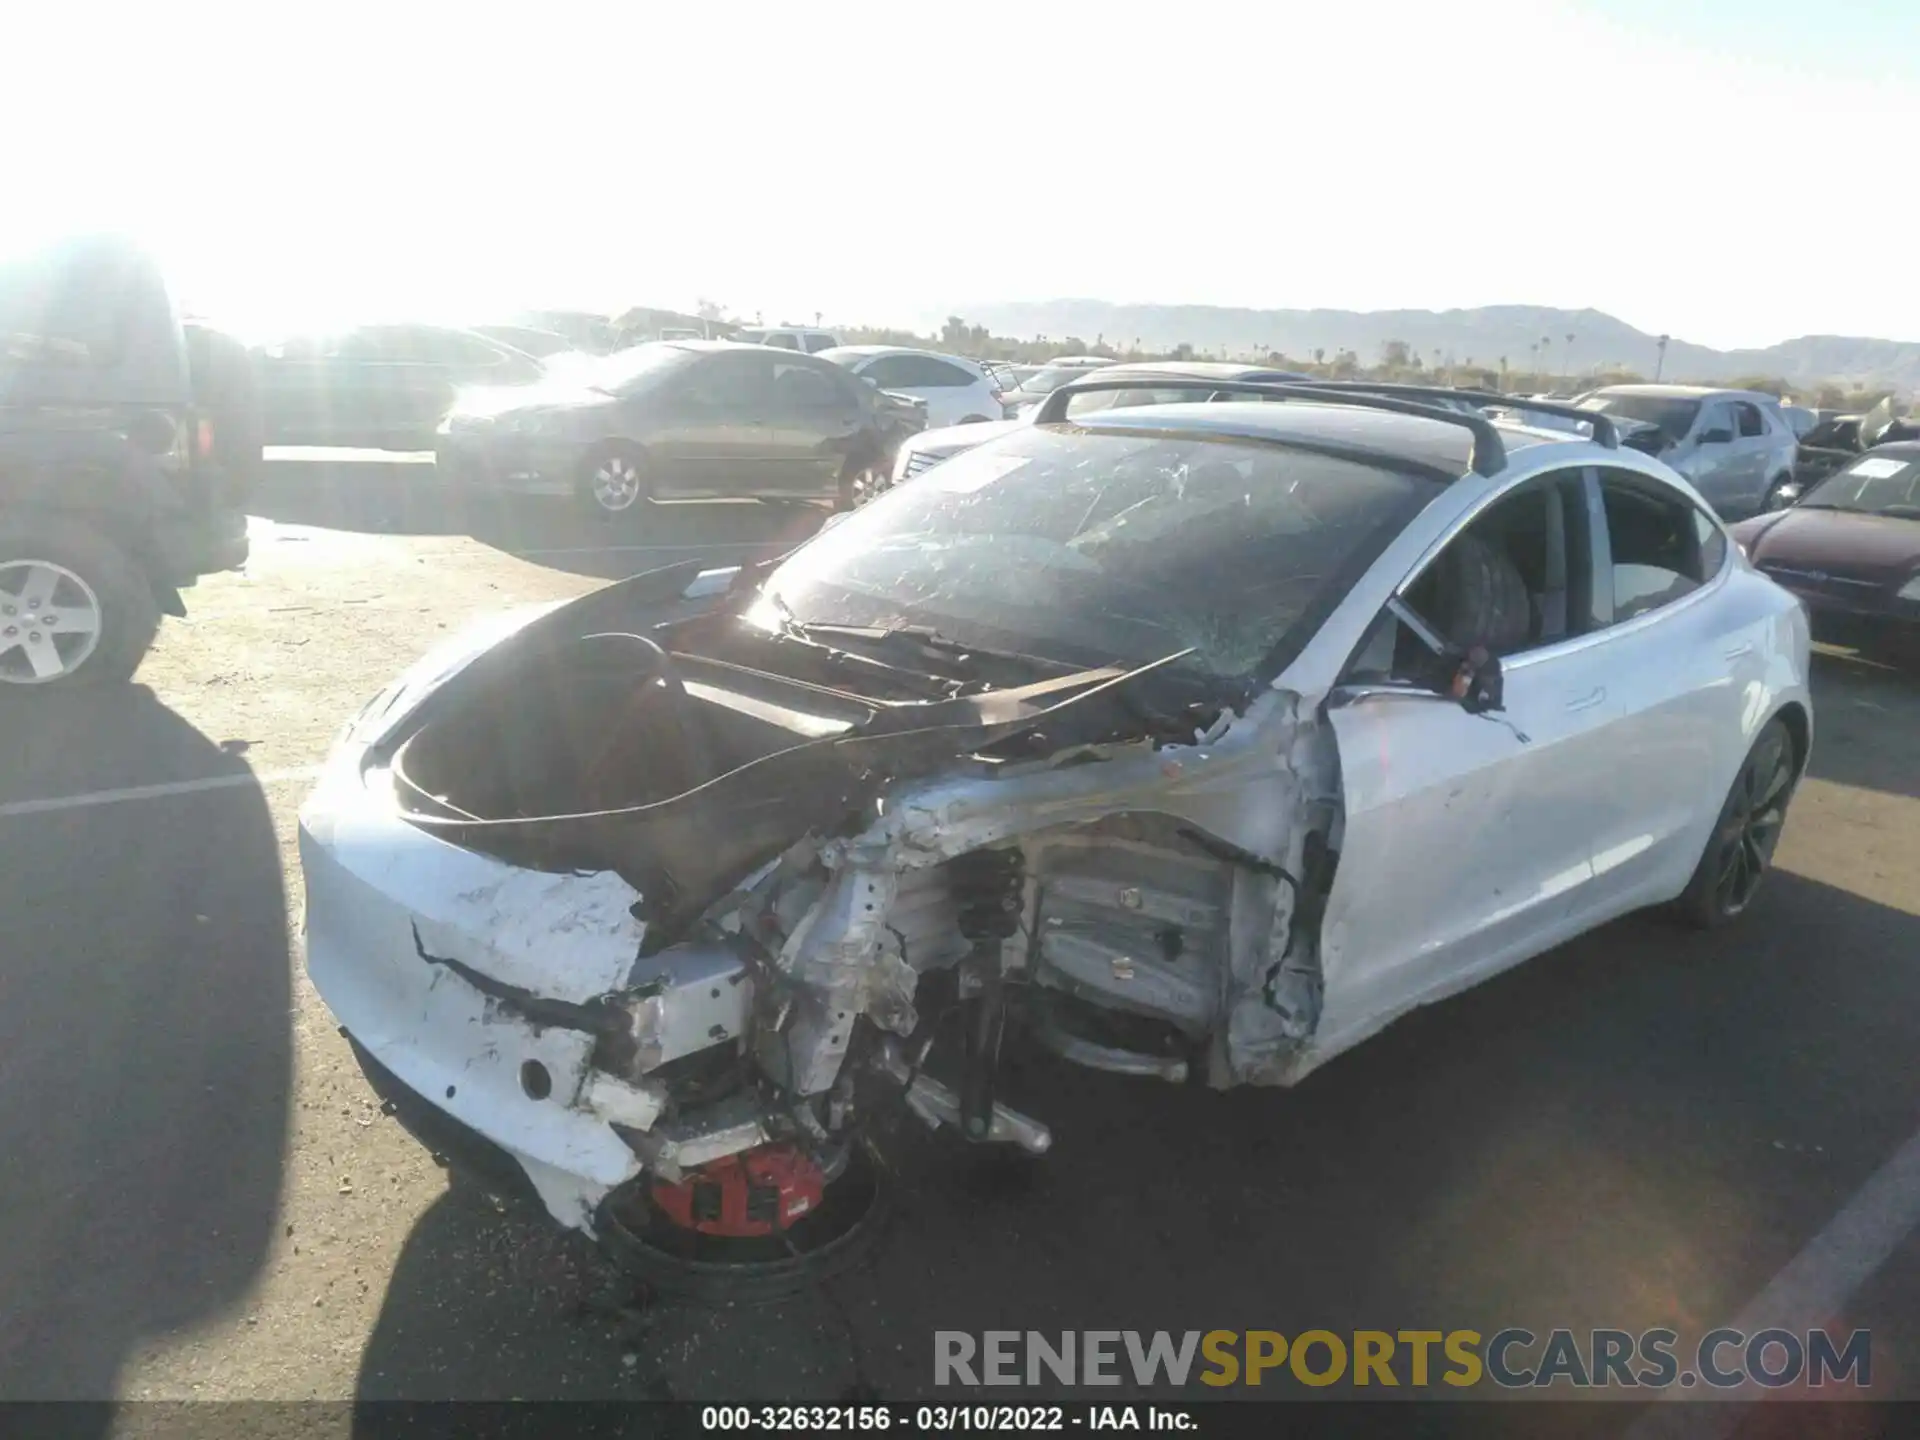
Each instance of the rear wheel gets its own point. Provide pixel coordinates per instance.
(74, 608)
(613, 479)
(1740, 850)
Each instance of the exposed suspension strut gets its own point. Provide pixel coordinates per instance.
(988, 888)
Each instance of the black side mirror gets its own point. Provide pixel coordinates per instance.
(1477, 682)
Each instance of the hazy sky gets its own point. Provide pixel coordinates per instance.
(1684, 164)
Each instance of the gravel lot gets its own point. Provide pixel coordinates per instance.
(201, 1199)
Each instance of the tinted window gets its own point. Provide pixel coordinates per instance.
(630, 371)
(887, 372)
(1106, 547)
(1656, 543)
(1751, 421)
(804, 387)
(780, 340)
(730, 384)
(816, 342)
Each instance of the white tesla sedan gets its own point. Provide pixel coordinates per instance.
(1196, 740)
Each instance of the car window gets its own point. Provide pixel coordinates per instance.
(783, 340)
(1518, 577)
(817, 341)
(1660, 551)
(931, 374)
(803, 388)
(740, 383)
(1752, 422)
(885, 371)
(1717, 417)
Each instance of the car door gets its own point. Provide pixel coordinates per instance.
(1682, 670)
(1752, 446)
(1466, 843)
(1712, 461)
(711, 431)
(817, 420)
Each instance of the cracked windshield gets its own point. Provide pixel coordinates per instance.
(1092, 547)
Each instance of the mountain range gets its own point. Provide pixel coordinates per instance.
(1480, 336)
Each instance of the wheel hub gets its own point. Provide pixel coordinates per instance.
(616, 483)
(49, 622)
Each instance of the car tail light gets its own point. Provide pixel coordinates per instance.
(203, 439)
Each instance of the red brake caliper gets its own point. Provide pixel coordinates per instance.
(756, 1192)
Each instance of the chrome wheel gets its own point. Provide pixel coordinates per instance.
(615, 482)
(50, 622)
(1751, 823)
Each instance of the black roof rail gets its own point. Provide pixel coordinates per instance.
(1605, 432)
(1487, 457)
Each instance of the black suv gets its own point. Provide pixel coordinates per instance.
(128, 442)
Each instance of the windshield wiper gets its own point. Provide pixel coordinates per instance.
(925, 637)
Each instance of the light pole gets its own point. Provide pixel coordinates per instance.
(1660, 359)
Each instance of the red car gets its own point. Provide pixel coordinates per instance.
(1851, 547)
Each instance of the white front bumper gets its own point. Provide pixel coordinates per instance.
(373, 883)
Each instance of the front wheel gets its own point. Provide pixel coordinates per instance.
(613, 479)
(74, 608)
(1740, 850)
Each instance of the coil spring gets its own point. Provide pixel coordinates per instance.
(987, 886)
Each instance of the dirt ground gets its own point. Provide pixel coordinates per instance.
(204, 1201)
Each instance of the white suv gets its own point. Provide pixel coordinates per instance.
(957, 391)
(784, 337)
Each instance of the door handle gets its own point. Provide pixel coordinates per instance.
(1738, 652)
(1589, 700)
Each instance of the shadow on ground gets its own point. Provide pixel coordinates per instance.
(400, 496)
(1862, 697)
(1640, 1128)
(145, 1040)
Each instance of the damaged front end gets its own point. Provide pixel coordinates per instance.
(667, 895)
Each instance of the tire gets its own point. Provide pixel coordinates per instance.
(1740, 849)
(54, 562)
(613, 479)
(860, 481)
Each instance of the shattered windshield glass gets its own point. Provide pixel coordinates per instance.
(1092, 547)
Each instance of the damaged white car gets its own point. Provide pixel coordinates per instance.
(1193, 741)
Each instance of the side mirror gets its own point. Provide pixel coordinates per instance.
(871, 381)
(1717, 437)
(1477, 683)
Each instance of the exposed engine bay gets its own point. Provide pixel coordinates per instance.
(860, 862)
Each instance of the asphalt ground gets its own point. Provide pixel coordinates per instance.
(200, 1198)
